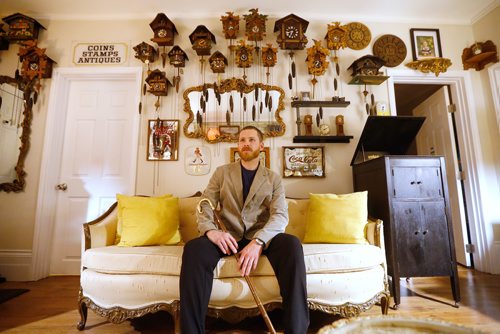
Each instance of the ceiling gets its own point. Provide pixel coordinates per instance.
(422, 11)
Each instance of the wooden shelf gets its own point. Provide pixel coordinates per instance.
(317, 104)
(480, 57)
(487, 55)
(322, 139)
(368, 79)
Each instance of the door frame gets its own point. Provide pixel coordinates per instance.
(462, 95)
(53, 149)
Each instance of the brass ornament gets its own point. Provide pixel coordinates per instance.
(430, 65)
(391, 49)
(358, 36)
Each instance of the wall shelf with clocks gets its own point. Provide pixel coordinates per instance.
(478, 55)
(338, 103)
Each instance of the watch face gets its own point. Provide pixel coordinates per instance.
(255, 29)
(292, 32)
(162, 33)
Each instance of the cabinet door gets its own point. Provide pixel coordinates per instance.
(409, 242)
(428, 182)
(416, 182)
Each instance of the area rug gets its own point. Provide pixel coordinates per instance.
(6, 294)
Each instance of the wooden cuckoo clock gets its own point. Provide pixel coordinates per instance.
(269, 58)
(291, 30)
(177, 58)
(230, 25)
(317, 62)
(201, 39)
(164, 30)
(145, 53)
(35, 63)
(22, 28)
(218, 62)
(336, 36)
(158, 83)
(4, 41)
(367, 65)
(255, 27)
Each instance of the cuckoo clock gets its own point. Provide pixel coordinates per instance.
(201, 39)
(367, 65)
(218, 62)
(317, 62)
(244, 54)
(230, 25)
(35, 63)
(269, 56)
(336, 37)
(158, 83)
(145, 53)
(177, 57)
(4, 42)
(255, 27)
(22, 27)
(291, 30)
(164, 30)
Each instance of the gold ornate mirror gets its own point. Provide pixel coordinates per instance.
(218, 111)
(15, 122)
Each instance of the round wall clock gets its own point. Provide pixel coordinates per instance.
(390, 49)
(358, 36)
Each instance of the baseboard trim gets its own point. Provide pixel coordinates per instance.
(15, 264)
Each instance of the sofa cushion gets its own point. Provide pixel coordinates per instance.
(166, 260)
(335, 218)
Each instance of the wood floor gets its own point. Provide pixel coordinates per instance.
(50, 307)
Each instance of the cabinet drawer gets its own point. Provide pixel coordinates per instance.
(416, 182)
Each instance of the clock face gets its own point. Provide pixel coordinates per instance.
(317, 63)
(292, 32)
(255, 29)
(244, 56)
(34, 66)
(162, 33)
(201, 42)
(324, 129)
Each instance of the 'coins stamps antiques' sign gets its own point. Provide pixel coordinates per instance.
(100, 53)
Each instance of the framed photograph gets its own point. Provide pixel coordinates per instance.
(229, 130)
(425, 43)
(264, 156)
(303, 161)
(163, 140)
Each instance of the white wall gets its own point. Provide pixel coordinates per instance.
(17, 225)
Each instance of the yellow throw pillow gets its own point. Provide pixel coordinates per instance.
(148, 220)
(121, 198)
(337, 218)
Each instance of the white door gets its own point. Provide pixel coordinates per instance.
(436, 138)
(98, 161)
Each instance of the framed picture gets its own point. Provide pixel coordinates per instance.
(303, 161)
(264, 156)
(425, 43)
(163, 140)
(229, 130)
(197, 160)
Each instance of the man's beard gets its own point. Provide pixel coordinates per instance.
(248, 155)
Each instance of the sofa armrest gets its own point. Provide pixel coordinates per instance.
(374, 232)
(101, 232)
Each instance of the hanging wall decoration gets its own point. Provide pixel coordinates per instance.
(269, 58)
(22, 28)
(244, 56)
(177, 58)
(158, 85)
(35, 63)
(317, 62)
(201, 39)
(145, 53)
(164, 33)
(358, 36)
(197, 160)
(336, 39)
(255, 26)
(163, 140)
(218, 63)
(391, 49)
(230, 27)
(291, 37)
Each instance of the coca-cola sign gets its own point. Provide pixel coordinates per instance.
(303, 162)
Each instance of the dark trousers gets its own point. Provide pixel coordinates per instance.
(199, 260)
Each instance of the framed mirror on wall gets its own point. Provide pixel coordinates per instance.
(15, 122)
(216, 112)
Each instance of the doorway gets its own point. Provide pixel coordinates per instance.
(438, 136)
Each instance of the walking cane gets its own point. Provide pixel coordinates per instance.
(262, 310)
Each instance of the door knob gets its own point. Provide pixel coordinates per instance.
(62, 186)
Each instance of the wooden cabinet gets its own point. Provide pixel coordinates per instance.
(409, 193)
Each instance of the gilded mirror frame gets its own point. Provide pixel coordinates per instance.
(19, 182)
(229, 86)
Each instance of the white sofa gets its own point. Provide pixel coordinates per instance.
(120, 283)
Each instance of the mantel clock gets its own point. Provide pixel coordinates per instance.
(291, 30)
(164, 30)
(22, 27)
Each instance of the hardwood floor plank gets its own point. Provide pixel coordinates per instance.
(50, 307)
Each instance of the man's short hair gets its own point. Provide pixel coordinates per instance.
(251, 127)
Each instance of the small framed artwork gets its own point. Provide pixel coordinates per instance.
(197, 160)
(229, 130)
(425, 43)
(264, 156)
(163, 140)
(303, 161)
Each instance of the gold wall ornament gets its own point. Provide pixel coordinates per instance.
(336, 36)
(230, 25)
(358, 36)
(433, 65)
(255, 26)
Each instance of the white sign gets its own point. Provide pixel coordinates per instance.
(100, 53)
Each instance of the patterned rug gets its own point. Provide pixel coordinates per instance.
(6, 294)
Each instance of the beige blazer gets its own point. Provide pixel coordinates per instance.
(264, 213)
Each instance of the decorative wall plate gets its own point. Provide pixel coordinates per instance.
(358, 36)
(391, 49)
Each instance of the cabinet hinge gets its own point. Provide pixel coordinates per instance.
(461, 175)
(452, 108)
(470, 248)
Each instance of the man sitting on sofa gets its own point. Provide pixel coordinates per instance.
(254, 211)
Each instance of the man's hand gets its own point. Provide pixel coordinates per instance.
(249, 257)
(224, 241)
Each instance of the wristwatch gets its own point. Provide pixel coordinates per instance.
(259, 242)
